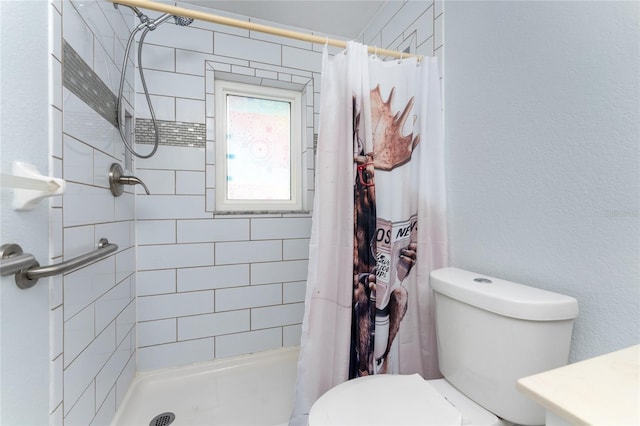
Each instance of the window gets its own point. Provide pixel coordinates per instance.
(258, 145)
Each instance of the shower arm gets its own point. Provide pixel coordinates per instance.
(139, 14)
(153, 23)
(216, 19)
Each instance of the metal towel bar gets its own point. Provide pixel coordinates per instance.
(28, 270)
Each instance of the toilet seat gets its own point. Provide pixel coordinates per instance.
(374, 400)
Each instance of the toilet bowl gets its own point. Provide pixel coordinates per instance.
(490, 333)
(373, 400)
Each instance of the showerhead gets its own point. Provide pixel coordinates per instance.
(182, 21)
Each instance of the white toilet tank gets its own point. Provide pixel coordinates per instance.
(491, 332)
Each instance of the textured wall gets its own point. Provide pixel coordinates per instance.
(541, 122)
(24, 107)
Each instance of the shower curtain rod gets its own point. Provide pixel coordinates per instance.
(216, 19)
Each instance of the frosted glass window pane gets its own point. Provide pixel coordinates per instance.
(258, 149)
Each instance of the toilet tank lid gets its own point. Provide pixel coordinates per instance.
(503, 297)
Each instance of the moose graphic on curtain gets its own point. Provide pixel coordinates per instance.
(384, 247)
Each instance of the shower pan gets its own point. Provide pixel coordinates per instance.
(255, 389)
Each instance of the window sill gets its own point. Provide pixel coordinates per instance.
(260, 212)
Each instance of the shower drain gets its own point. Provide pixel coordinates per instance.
(163, 419)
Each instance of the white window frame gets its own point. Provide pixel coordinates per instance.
(223, 88)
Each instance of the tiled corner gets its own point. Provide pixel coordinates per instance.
(93, 312)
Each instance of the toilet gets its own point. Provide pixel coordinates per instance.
(491, 332)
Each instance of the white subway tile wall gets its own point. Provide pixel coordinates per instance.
(172, 354)
(92, 320)
(195, 285)
(252, 341)
(229, 284)
(156, 282)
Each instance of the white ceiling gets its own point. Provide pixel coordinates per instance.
(338, 18)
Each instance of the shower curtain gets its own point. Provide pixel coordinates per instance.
(379, 224)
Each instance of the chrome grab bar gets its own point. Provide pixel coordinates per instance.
(17, 261)
(28, 271)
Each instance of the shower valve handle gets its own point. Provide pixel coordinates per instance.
(117, 180)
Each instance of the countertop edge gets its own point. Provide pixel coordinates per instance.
(556, 390)
(523, 386)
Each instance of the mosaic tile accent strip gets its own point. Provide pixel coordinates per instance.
(79, 78)
(176, 133)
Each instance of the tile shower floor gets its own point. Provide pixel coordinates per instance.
(256, 389)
